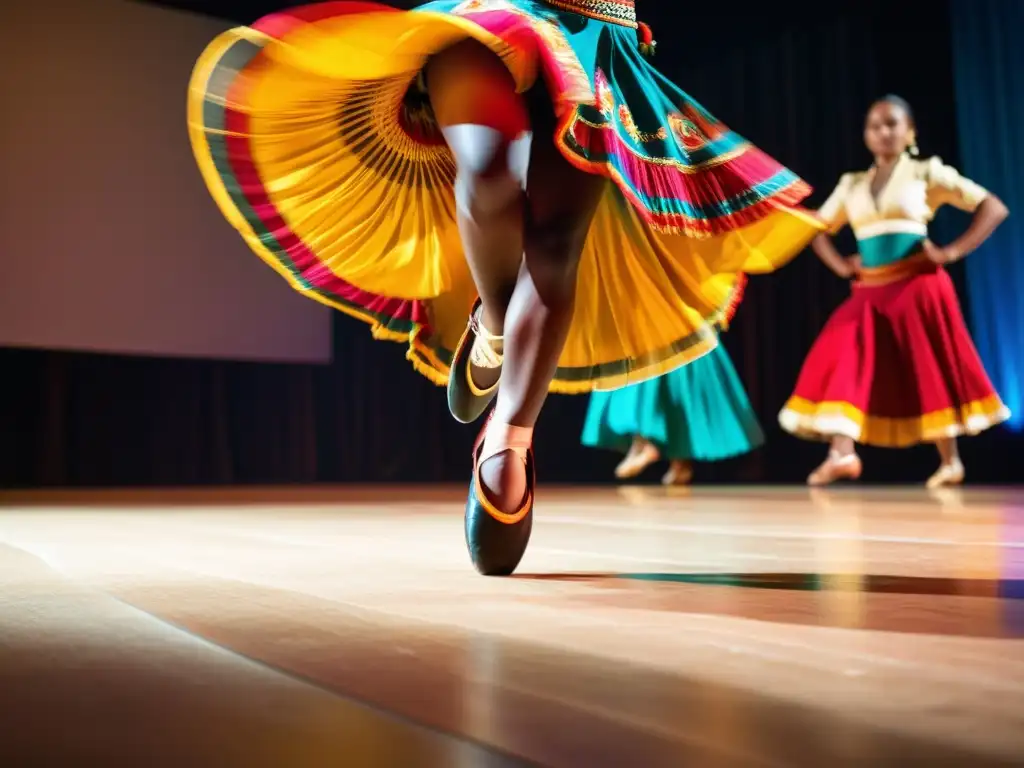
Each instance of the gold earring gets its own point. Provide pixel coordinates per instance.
(912, 144)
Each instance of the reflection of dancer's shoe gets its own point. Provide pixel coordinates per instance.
(696, 413)
(521, 152)
(895, 365)
(950, 498)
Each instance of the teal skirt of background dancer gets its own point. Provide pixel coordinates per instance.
(699, 413)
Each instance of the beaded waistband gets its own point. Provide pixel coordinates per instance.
(613, 11)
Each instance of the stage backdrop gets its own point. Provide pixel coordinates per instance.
(988, 63)
(795, 79)
(110, 241)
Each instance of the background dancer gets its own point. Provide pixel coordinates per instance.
(698, 413)
(895, 365)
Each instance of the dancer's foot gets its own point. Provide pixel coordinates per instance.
(497, 529)
(679, 473)
(635, 447)
(505, 479)
(837, 466)
(948, 473)
(640, 457)
(475, 370)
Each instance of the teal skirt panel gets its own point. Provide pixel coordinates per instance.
(699, 412)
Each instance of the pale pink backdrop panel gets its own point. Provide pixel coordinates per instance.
(109, 241)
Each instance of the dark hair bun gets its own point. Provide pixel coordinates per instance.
(897, 101)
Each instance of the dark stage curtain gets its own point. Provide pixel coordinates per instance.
(989, 70)
(796, 84)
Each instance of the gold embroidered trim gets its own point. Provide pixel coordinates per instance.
(621, 12)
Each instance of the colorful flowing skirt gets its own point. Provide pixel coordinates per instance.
(895, 366)
(699, 412)
(316, 139)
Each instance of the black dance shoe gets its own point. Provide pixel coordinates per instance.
(465, 401)
(497, 540)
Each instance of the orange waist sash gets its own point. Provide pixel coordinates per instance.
(918, 264)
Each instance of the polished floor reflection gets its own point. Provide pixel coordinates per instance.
(712, 627)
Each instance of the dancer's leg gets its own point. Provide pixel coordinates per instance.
(842, 445)
(561, 203)
(486, 125)
(951, 470)
(948, 451)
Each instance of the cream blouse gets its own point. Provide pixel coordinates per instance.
(892, 227)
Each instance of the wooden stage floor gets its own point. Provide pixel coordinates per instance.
(646, 628)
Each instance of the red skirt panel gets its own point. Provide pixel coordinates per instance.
(895, 366)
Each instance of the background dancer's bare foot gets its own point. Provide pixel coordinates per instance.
(641, 455)
(948, 473)
(836, 467)
(679, 473)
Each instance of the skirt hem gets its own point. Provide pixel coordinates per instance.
(433, 363)
(823, 421)
(234, 100)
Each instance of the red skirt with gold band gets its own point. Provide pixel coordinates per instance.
(894, 365)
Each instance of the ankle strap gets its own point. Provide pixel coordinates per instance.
(483, 353)
(506, 437)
